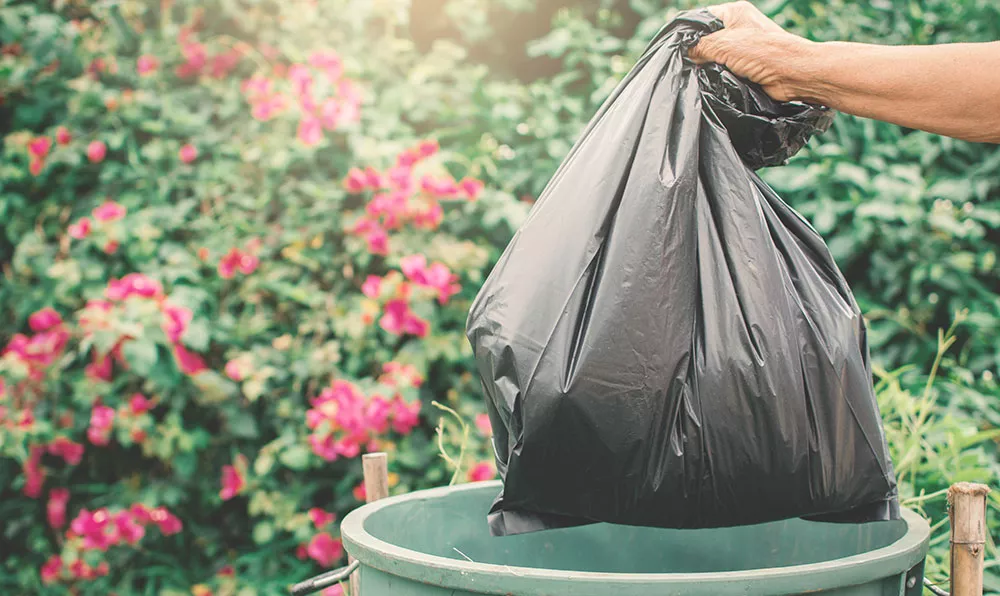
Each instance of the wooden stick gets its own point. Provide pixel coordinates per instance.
(967, 514)
(375, 467)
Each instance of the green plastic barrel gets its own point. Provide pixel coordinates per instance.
(436, 542)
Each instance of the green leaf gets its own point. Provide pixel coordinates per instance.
(295, 457)
(197, 335)
(263, 532)
(141, 355)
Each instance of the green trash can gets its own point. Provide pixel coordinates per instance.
(436, 543)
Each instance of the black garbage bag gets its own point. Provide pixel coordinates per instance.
(665, 342)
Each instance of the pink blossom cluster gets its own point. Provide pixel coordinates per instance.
(436, 276)
(322, 547)
(343, 420)
(233, 478)
(397, 316)
(104, 214)
(39, 147)
(326, 100)
(237, 260)
(399, 375)
(100, 530)
(196, 58)
(98, 314)
(37, 351)
(398, 198)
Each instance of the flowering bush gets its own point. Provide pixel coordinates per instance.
(244, 271)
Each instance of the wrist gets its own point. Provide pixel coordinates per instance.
(803, 75)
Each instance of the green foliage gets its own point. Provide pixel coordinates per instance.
(287, 323)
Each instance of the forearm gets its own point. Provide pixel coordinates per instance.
(951, 89)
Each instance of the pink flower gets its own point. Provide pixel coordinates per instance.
(166, 521)
(224, 63)
(330, 113)
(146, 65)
(34, 473)
(70, 451)
(480, 472)
(428, 148)
(195, 54)
(266, 109)
(35, 166)
(429, 219)
(484, 426)
(139, 404)
(232, 482)
(175, 321)
(398, 319)
(229, 263)
(63, 137)
(329, 62)
(140, 513)
(301, 78)
(101, 420)
(234, 370)
(471, 187)
(44, 319)
(256, 87)
(310, 131)
(405, 417)
(325, 549)
(436, 276)
(359, 493)
(356, 181)
(373, 179)
(127, 528)
(248, 263)
(324, 446)
(189, 362)
(378, 241)
(93, 527)
(321, 518)
(109, 211)
(395, 374)
(111, 247)
(445, 187)
(51, 570)
(188, 153)
(96, 151)
(80, 229)
(39, 147)
(100, 367)
(133, 284)
(39, 350)
(372, 286)
(55, 509)
(334, 590)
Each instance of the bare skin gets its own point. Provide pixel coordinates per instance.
(947, 89)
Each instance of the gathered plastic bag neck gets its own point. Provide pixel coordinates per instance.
(765, 132)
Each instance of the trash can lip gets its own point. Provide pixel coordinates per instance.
(490, 578)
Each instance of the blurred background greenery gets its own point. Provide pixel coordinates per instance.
(238, 240)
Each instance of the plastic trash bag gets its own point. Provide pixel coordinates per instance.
(665, 342)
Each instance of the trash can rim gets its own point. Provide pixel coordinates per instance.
(488, 578)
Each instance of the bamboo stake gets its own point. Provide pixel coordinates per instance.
(967, 514)
(376, 470)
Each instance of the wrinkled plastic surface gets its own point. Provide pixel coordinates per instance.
(665, 342)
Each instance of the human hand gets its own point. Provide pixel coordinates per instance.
(754, 47)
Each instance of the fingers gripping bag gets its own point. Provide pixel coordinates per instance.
(665, 342)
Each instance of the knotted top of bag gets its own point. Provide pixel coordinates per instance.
(764, 132)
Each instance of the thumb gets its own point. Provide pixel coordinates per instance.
(708, 47)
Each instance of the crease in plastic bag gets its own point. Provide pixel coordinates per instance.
(665, 342)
